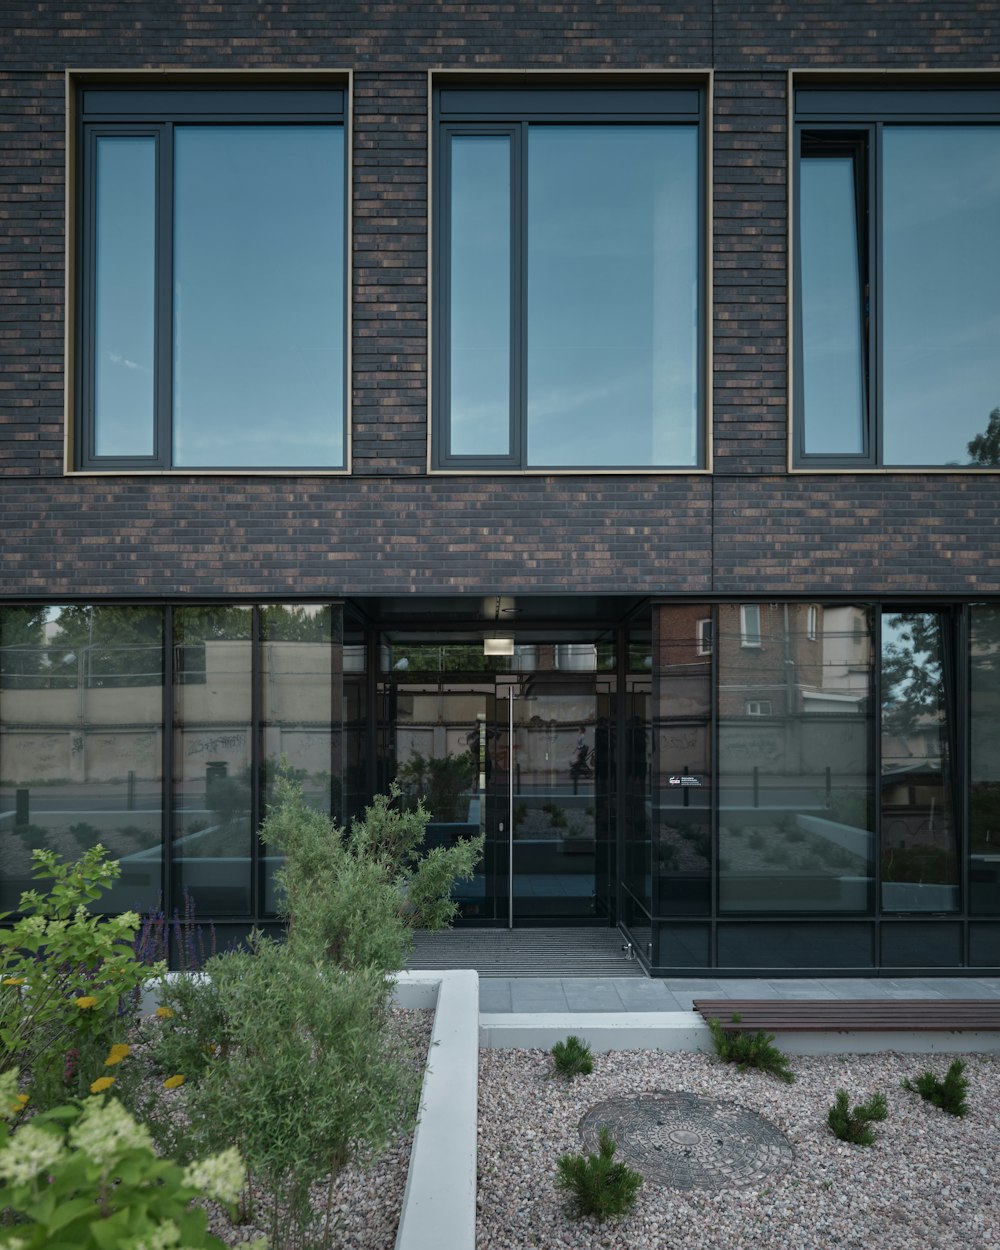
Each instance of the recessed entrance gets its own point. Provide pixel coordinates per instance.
(525, 758)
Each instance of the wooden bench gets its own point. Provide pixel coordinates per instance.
(852, 1014)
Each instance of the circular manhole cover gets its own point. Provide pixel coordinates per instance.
(689, 1142)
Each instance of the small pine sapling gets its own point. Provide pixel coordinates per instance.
(572, 1058)
(597, 1184)
(948, 1094)
(852, 1125)
(750, 1050)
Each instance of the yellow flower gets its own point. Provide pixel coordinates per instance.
(101, 1084)
(18, 1105)
(172, 1082)
(86, 1002)
(23, 1098)
(165, 1013)
(118, 1053)
(13, 980)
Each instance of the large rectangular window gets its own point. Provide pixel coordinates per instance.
(897, 277)
(212, 293)
(568, 287)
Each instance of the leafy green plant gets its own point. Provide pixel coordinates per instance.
(439, 782)
(851, 1125)
(84, 1176)
(750, 1050)
(247, 1037)
(357, 895)
(948, 1094)
(572, 1058)
(597, 1184)
(68, 978)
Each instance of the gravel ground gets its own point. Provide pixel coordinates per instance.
(931, 1181)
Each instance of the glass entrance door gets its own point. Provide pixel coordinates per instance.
(550, 758)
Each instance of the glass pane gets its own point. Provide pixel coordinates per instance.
(297, 674)
(124, 295)
(212, 832)
(613, 305)
(941, 304)
(479, 334)
(445, 754)
(258, 296)
(833, 377)
(984, 739)
(81, 693)
(919, 846)
(559, 757)
(681, 739)
(795, 786)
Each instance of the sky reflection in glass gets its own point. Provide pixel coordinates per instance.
(833, 378)
(479, 384)
(124, 295)
(612, 295)
(258, 296)
(941, 282)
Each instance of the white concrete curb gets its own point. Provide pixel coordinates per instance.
(647, 1030)
(439, 1205)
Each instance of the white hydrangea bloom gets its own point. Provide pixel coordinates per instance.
(220, 1177)
(106, 1129)
(166, 1237)
(29, 1151)
(32, 926)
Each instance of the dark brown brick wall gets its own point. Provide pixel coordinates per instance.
(751, 528)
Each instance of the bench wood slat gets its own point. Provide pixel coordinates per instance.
(852, 1014)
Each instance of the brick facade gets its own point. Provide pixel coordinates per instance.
(749, 528)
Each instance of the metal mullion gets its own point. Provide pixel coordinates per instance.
(519, 294)
(876, 774)
(167, 766)
(257, 773)
(164, 367)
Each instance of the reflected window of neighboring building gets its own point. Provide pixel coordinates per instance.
(897, 261)
(211, 315)
(569, 289)
(704, 636)
(750, 635)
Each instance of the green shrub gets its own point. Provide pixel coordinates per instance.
(69, 979)
(948, 1094)
(598, 1185)
(84, 1176)
(750, 1050)
(306, 1068)
(852, 1125)
(357, 895)
(572, 1058)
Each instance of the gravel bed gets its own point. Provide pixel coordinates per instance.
(931, 1181)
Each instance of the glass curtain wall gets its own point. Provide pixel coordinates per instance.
(984, 750)
(81, 708)
(85, 692)
(796, 831)
(919, 861)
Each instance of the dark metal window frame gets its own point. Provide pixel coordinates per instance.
(853, 119)
(510, 112)
(138, 112)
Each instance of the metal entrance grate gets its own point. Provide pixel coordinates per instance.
(526, 952)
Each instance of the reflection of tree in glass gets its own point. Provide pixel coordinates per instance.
(912, 676)
(984, 449)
